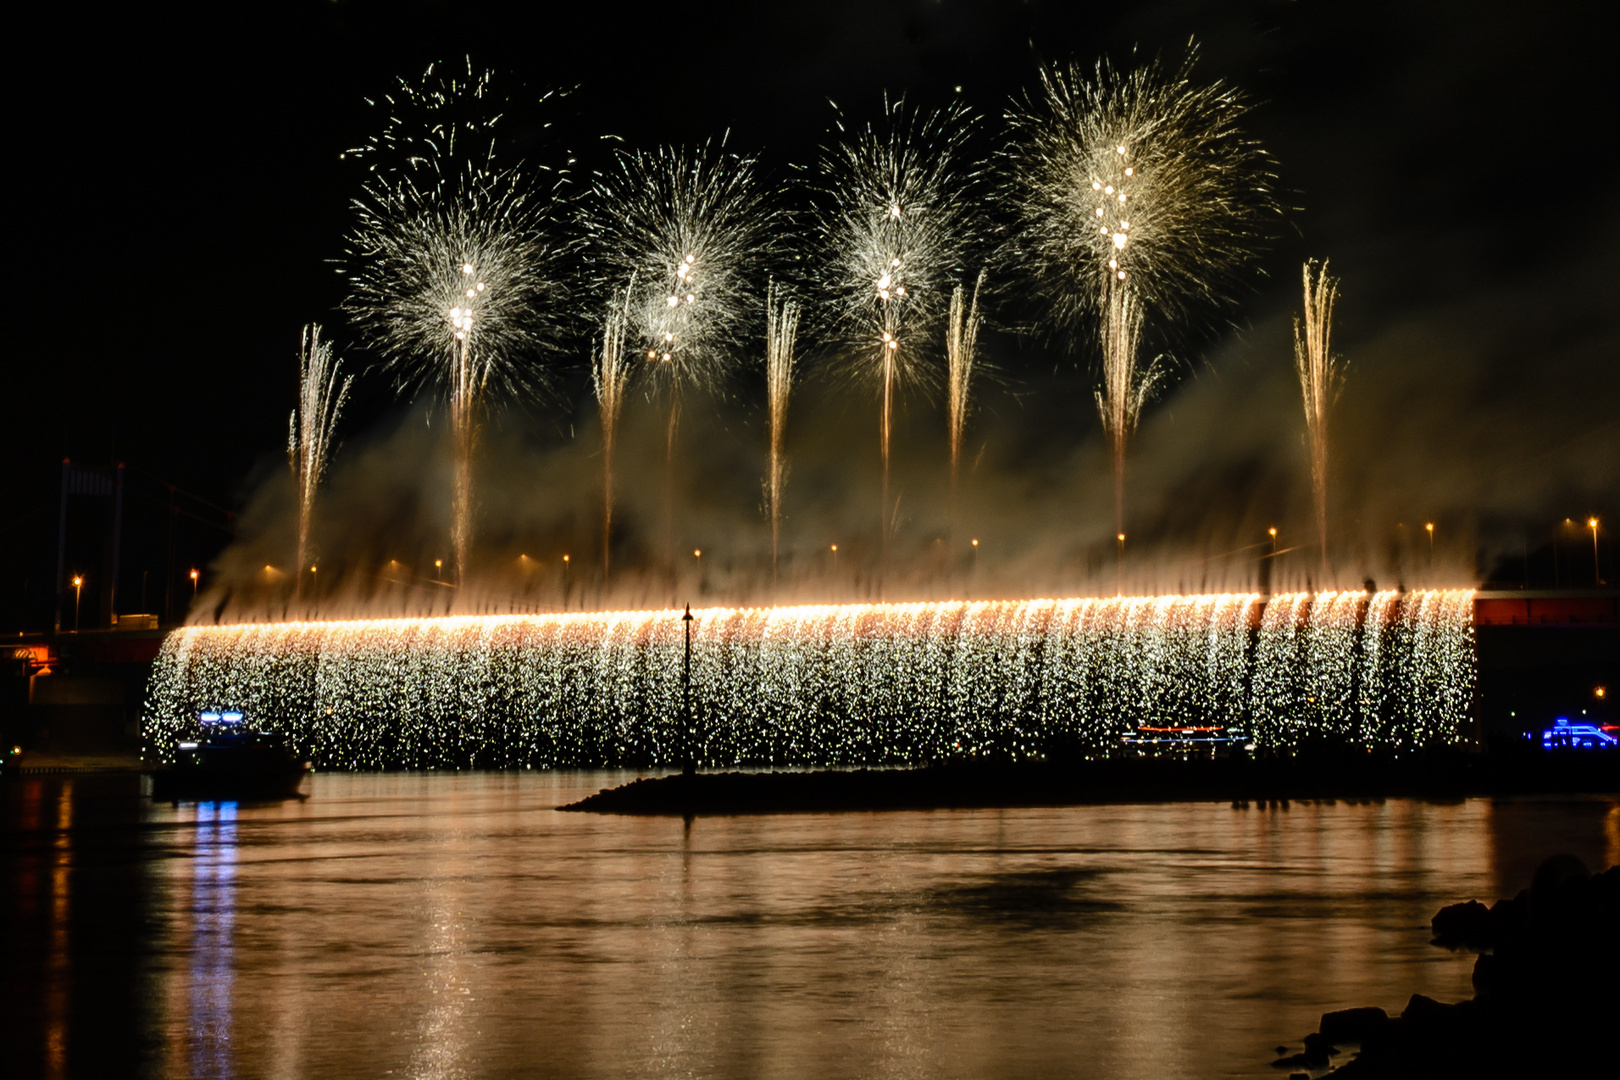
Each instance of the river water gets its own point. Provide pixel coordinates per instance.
(455, 925)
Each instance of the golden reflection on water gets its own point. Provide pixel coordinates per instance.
(456, 926)
(59, 970)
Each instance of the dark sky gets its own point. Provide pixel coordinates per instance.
(177, 191)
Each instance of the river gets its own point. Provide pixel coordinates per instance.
(454, 925)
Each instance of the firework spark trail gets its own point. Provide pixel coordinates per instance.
(1335, 621)
(899, 229)
(453, 269)
(610, 376)
(1133, 188)
(961, 343)
(309, 431)
(781, 326)
(845, 684)
(1321, 378)
(695, 233)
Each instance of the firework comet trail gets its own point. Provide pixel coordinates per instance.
(694, 233)
(1321, 377)
(611, 376)
(961, 341)
(1133, 188)
(309, 430)
(452, 269)
(899, 230)
(781, 325)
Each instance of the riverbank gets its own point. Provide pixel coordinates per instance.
(1542, 985)
(1133, 780)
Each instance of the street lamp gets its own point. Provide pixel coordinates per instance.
(1430, 528)
(1597, 576)
(78, 584)
(194, 584)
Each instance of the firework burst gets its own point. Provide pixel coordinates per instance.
(690, 236)
(1321, 377)
(693, 234)
(900, 230)
(1137, 192)
(321, 394)
(453, 264)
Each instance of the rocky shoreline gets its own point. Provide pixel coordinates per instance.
(1126, 780)
(1543, 993)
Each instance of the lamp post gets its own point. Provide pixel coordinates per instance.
(194, 585)
(1430, 529)
(78, 585)
(689, 766)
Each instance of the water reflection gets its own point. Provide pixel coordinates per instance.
(456, 926)
(58, 966)
(213, 926)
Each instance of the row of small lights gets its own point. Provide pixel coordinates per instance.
(697, 553)
(438, 564)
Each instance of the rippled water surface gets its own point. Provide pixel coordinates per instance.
(457, 926)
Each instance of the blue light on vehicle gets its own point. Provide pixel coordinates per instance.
(210, 717)
(1564, 735)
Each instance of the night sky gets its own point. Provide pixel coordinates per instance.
(179, 190)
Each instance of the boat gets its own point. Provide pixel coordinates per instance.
(1564, 735)
(233, 760)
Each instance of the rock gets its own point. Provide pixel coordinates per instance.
(1423, 1011)
(1319, 1045)
(1353, 1025)
(1464, 926)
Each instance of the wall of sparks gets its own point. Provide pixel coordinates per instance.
(833, 685)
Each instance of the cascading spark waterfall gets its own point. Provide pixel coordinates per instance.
(837, 684)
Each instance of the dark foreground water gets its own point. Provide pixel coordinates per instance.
(456, 926)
